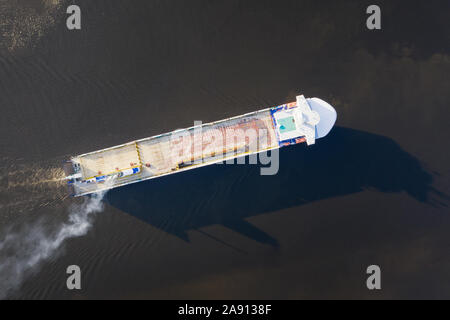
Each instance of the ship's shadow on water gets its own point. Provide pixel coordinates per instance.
(345, 162)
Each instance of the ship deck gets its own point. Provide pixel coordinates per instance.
(178, 151)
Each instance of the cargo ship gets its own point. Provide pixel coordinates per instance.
(302, 121)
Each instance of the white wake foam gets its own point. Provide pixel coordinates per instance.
(22, 252)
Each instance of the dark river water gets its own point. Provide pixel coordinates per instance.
(373, 192)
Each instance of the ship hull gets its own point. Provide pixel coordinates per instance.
(202, 145)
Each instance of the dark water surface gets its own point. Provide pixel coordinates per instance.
(373, 192)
